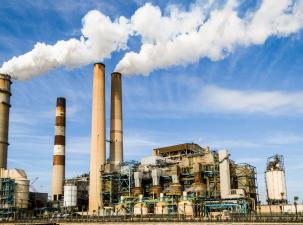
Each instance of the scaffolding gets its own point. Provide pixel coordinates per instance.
(118, 183)
(7, 196)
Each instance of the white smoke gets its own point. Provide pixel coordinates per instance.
(214, 37)
(173, 37)
(100, 37)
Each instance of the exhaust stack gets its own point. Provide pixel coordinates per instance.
(59, 151)
(98, 148)
(5, 93)
(116, 126)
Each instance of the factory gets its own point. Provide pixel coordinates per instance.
(185, 179)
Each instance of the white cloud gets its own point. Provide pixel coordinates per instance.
(216, 99)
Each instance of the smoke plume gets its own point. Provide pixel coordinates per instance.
(100, 37)
(170, 38)
(215, 33)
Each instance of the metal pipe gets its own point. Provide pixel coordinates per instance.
(98, 147)
(5, 93)
(59, 151)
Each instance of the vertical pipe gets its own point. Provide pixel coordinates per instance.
(98, 148)
(59, 151)
(224, 167)
(5, 93)
(116, 125)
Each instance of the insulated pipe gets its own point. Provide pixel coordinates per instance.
(98, 148)
(59, 151)
(5, 93)
(116, 125)
(224, 167)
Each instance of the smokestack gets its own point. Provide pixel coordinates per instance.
(59, 151)
(116, 126)
(5, 93)
(98, 148)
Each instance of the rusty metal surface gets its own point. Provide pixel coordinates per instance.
(59, 140)
(59, 160)
(60, 121)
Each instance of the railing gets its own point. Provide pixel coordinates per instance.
(154, 218)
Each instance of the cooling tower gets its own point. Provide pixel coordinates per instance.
(59, 151)
(98, 148)
(5, 93)
(116, 126)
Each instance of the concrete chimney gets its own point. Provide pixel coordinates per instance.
(116, 126)
(5, 93)
(59, 151)
(98, 148)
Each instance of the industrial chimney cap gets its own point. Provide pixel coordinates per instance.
(6, 77)
(99, 63)
(61, 101)
(116, 73)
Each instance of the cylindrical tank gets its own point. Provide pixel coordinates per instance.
(70, 195)
(185, 207)
(5, 93)
(22, 193)
(120, 210)
(275, 181)
(140, 209)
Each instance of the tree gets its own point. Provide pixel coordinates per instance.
(296, 198)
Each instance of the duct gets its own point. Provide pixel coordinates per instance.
(225, 186)
(5, 93)
(116, 125)
(138, 179)
(98, 148)
(156, 174)
(59, 151)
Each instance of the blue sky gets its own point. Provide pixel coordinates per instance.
(250, 102)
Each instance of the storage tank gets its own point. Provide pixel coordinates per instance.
(161, 207)
(140, 208)
(70, 195)
(275, 180)
(185, 207)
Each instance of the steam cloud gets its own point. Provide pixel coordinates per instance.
(177, 37)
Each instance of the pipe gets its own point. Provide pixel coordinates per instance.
(224, 167)
(98, 148)
(5, 93)
(59, 151)
(116, 124)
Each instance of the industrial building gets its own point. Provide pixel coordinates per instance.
(184, 179)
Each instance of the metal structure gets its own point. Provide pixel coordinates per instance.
(275, 180)
(118, 183)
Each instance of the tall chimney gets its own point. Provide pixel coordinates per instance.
(59, 151)
(116, 126)
(98, 148)
(5, 93)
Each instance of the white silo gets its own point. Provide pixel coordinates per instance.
(275, 180)
(70, 195)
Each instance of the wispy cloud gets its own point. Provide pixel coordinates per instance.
(226, 100)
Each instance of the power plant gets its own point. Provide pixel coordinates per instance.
(185, 179)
